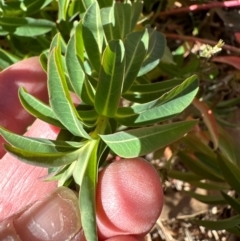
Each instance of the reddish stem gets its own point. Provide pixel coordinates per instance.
(198, 7)
(205, 41)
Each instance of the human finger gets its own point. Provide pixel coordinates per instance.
(20, 182)
(129, 198)
(29, 74)
(55, 218)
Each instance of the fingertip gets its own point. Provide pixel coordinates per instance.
(129, 198)
(29, 74)
(56, 217)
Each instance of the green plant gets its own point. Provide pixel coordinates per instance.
(217, 172)
(106, 64)
(209, 155)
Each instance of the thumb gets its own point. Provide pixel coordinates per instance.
(54, 218)
(20, 184)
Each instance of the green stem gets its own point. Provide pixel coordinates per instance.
(100, 128)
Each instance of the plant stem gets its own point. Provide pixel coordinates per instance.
(100, 128)
(205, 41)
(199, 7)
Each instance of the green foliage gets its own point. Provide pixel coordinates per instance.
(162, 108)
(27, 27)
(110, 81)
(105, 62)
(141, 141)
(220, 225)
(212, 171)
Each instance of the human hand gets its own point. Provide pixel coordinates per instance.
(129, 195)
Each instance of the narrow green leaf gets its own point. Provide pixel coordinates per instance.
(32, 6)
(184, 176)
(186, 89)
(93, 34)
(110, 81)
(54, 173)
(64, 134)
(142, 93)
(229, 103)
(209, 161)
(195, 144)
(233, 202)
(230, 171)
(37, 108)
(43, 60)
(88, 116)
(209, 185)
(74, 9)
(84, 5)
(39, 145)
(138, 142)
(66, 174)
(122, 15)
(93, 81)
(75, 71)
(88, 93)
(26, 27)
(7, 59)
(142, 80)
(108, 22)
(79, 45)
(199, 168)
(136, 46)
(82, 162)
(87, 195)
(121, 19)
(51, 159)
(171, 70)
(58, 41)
(235, 230)
(165, 107)
(208, 199)
(228, 146)
(60, 99)
(168, 57)
(89, 70)
(62, 12)
(105, 3)
(220, 224)
(135, 13)
(157, 43)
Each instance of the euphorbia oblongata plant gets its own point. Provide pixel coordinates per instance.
(106, 64)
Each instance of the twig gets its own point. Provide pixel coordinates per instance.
(198, 7)
(205, 41)
(166, 233)
(190, 216)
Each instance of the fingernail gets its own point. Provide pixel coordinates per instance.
(7, 231)
(56, 217)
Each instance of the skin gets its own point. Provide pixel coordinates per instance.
(31, 209)
(128, 188)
